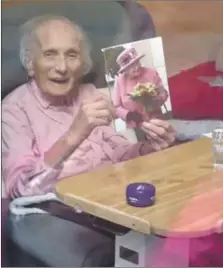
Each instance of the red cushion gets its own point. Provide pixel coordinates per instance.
(204, 252)
(193, 99)
(207, 251)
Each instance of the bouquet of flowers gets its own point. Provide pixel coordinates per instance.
(147, 94)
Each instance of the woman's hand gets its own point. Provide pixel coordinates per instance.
(159, 133)
(95, 111)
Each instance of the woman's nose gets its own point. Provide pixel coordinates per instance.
(61, 65)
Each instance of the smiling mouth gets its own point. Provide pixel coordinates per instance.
(60, 81)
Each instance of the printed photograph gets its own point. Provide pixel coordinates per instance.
(72, 169)
(136, 76)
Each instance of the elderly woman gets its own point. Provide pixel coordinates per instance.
(54, 126)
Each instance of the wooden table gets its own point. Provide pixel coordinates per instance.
(184, 179)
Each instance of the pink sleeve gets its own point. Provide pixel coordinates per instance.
(129, 151)
(24, 171)
(123, 150)
(157, 80)
(120, 111)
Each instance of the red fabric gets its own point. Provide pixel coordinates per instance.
(193, 99)
(203, 252)
(207, 251)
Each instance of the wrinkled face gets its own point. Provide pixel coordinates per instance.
(134, 70)
(57, 63)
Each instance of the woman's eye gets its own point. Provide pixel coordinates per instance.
(49, 54)
(72, 55)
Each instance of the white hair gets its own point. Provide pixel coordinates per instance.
(29, 39)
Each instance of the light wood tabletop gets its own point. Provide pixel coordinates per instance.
(189, 199)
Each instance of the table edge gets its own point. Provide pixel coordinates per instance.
(133, 223)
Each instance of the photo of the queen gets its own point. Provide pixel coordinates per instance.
(138, 91)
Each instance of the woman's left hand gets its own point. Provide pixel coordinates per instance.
(160, 133)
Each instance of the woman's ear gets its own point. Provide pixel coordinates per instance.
(29, 67)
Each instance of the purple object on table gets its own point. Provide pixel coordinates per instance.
(140, 194)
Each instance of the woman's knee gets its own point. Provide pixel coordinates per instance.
(58, 242)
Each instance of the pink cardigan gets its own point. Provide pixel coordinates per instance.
(124, 86)
(31, 125)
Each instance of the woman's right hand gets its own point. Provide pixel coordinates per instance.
(94, 112)
(160, 133)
